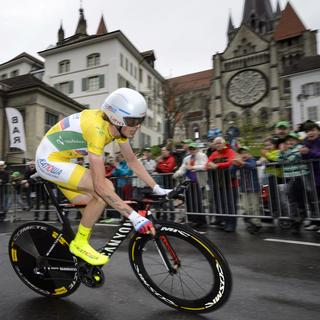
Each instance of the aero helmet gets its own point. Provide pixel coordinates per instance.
(125, 107)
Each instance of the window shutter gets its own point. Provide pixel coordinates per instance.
(84, 84)
(101, 81)
(70, 86)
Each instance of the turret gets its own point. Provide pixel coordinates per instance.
(102, 29)
(82, 24)
(60, 35)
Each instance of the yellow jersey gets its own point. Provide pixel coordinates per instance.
(80, 133)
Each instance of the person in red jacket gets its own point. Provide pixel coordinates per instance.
(166, 162)
(166, 165)
(223, 183)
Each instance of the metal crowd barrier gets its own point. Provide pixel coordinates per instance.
(263, 192)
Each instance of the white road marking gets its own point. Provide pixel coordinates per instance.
(295, 242)
(107, 224)
(5, 234)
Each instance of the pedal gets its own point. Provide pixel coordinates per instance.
(91, 276)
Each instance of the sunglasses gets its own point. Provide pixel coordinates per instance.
(133, 122)
(191, 148)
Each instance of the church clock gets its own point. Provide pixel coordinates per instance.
(246, 88)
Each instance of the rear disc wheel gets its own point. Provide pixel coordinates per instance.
(40, 256)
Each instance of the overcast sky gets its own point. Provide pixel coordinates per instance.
(183, 33)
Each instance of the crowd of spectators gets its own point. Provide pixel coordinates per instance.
(16, 188)
(224, 178)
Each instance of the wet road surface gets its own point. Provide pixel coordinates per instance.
(271, 281)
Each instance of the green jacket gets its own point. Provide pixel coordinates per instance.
(292, 166)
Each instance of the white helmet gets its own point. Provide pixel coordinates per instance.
(125, 107)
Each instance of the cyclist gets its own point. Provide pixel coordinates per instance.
(87, 133)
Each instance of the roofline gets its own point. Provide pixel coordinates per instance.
(236, 30)
(298, 73)
(99, 38)
(72, 103)
(24, 56)
(189, 74)
(42, 86)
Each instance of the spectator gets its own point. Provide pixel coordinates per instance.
(214, 133)
(28, 184)
(16, 179)
(249, 187)
(181, 151)
(81, 162)
(196, 160)
(232, 134)
(273, 173)
(295, 176)
(281, 131)
(166, 164)
(149, 164)
(211, 147)
(124, 185)
(4, 191)
(147, 161)
(269, 153)
(311, 150)
(109, 167)
(223, 183)
(185, 145)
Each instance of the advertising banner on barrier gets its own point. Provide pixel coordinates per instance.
(16, 129)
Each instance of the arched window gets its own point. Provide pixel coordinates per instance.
(246, 116)
(64, 66)
(232, 116)
(263, 116)
(93, 59)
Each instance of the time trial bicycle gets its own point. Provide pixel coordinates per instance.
(179, 266)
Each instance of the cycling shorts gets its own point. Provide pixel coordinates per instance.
(59, 170)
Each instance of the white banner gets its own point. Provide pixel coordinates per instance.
(16, 129)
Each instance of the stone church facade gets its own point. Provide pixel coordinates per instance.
(248, 83)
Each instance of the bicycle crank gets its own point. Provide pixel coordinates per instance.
(91, 276)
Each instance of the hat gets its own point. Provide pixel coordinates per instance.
(15, 174)
(293, 135)
(2, 163)
(146, 149)
(245, 148)
(187, 141)
(284, 124)
(193, 145)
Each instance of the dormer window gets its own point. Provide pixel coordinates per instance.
(64, 66)
(14, 73)
(93, 60)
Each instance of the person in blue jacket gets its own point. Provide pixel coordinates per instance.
(249, 187)
(124, 185)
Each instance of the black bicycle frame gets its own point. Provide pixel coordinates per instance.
(114, 243)
(110, 247)
(62, 216)
(120, 235)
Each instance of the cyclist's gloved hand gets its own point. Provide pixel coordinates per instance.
(160, 191)
(141, 224)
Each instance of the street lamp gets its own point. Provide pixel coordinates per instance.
(302, 98)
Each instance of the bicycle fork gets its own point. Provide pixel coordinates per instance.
(167, 254)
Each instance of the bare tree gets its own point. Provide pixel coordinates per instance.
(174, 104)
